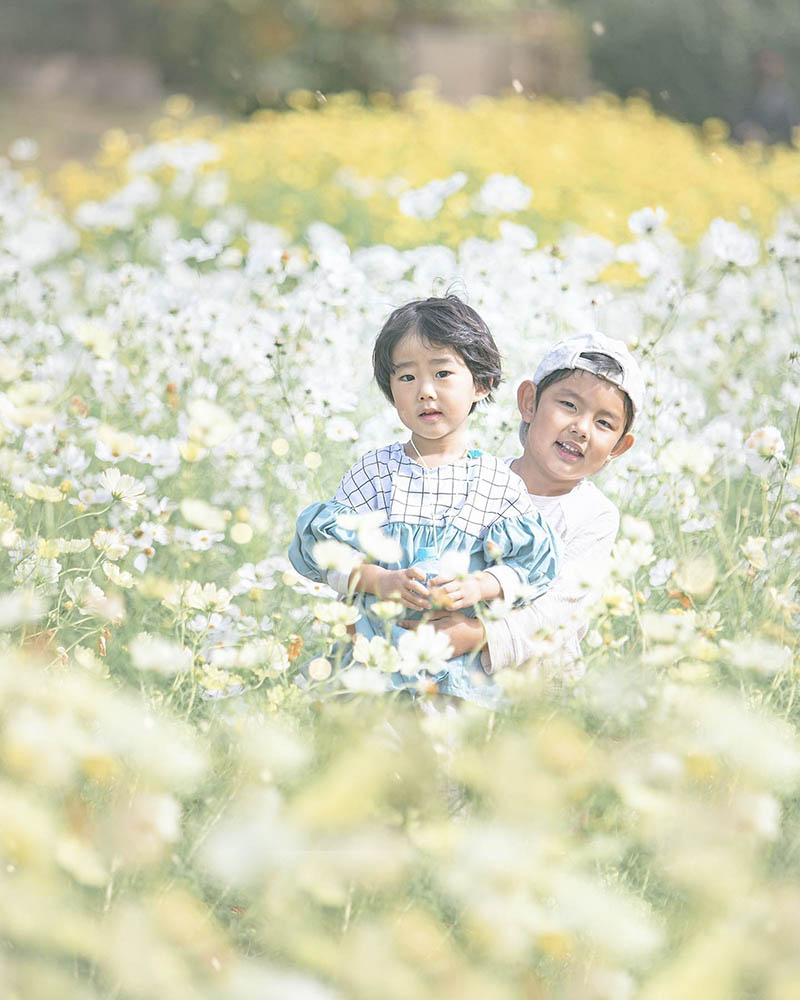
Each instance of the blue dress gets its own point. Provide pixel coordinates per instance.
(476, 506)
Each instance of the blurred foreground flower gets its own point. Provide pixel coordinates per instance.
(154, 653)
(423, 649)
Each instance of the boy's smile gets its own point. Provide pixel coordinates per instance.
(433, 391)
(575, 427)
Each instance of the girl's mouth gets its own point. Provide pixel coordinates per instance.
(569, 452)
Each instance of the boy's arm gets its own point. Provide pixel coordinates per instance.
(512, 641)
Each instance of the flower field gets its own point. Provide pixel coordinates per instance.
(189, 812)
(358, 167)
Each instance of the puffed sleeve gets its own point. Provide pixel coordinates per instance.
(319, 523)
(523, 554)
(357, 493)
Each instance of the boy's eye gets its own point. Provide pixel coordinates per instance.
(567, 402)
(606, 424)
(405, 378)
(443, 374)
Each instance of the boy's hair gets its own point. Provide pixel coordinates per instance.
(448, 322)
(600, 365)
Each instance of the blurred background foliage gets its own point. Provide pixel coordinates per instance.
(694, 58)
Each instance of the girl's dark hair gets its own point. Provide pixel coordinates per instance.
(601, 365)
(448, 322)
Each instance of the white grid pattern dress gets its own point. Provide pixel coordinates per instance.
(475, 506)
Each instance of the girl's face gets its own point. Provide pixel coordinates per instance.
(433, 391)
(575, 427)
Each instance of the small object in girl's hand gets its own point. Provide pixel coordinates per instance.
(441, 599)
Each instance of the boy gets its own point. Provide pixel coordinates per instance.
(577, 413)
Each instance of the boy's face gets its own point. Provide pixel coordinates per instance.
(575, 427)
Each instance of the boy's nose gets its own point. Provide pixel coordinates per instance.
(580, 425)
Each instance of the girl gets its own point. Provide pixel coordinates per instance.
(434, 360)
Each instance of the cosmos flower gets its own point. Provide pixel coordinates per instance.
(123, 487)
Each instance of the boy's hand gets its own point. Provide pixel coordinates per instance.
(465, 634)
(406, 586)
(453, 594)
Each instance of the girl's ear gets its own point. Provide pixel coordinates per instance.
(526, 400)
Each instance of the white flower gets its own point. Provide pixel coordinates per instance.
(628, 556)
(362, 680)
(275, 656)
(731, 244)
(759, 813)
(111, 543)
(761, 655)
(423, 649)
(454, 563)
(696, 574)
(209, 424)
(302, 585)
(371, 539)
(636, 529)
(376, 652)
(763, 448)
(120, 577)
(334, 555)
(647, 220)
(20, 607)
(618, 600)
(502, 195)
(341, 429)
(208, 597)
(159, 655)
(426, 202)
(685, 455)
(203, 515)
(660, 627)
(785, 243)
(38, 491)
(386, 610)
(336, 613)
(124, 487)
(190, 594)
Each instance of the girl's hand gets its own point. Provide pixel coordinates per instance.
(405, 586)
(454, 594)
(465, 634)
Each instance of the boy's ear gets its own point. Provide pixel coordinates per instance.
(622, 445)
(481, 392)
(526, 400)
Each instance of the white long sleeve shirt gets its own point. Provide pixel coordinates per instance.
(587, 522)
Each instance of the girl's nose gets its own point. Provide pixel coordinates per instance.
(426, 390)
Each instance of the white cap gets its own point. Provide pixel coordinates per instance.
(567, 354)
